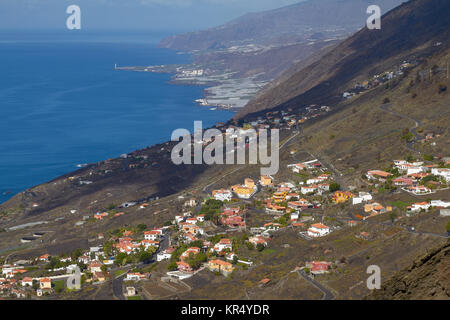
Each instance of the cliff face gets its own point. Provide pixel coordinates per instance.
(427, 278)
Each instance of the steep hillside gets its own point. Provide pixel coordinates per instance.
(427, 278)
(366, 132)
(407, 31)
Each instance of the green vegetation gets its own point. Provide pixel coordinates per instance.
(393, 216)
(76, 254)
(59, 286)
(210, 208)
(195, 260)
(134, 298)
(54, 263)
(141, 227)
(268, 251)
(172, 266)
(260, 247)
(111, 206)
(399, 204)
(119, 272)
(334, 186)
(122, 259)
(408, 136)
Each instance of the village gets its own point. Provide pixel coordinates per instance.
(211, 231)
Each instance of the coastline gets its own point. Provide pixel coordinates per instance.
(222, 92)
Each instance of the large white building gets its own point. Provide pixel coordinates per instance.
(318, 230)
(222, 195)
(442, 172)
(362, 197)
(419, 206)
(440, 203)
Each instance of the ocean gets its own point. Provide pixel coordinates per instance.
(62, 103)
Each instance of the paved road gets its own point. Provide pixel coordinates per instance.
(417, 123)
(117, 285)
(207, 190)
(327, 294)
(336, 173)
(117, 282)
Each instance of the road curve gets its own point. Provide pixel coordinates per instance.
(327, 294)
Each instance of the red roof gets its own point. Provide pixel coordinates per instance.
(221, 262)
(319, 226)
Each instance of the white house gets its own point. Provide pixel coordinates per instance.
(297, 167)
(178, 219)
(222, 195)
(442, 172)
(6, 269)
(163, 256)
(419, 206)
(134, 276)
(318, 230)
(362, 197)
(313, 180)
(85, 259)
(308, 189)
(287, 185)
(149, 243)
(400, 162)
(27, 281)
(152, 235)
(419, 189)
(223, 244)
(414, 169)
(190, 203)
(440, 203)
(191, 220)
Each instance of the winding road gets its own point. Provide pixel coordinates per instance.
(117, 282)
(284, 144)
(327, 294)
(417, 123)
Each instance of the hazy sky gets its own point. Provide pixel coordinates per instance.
(146, 15)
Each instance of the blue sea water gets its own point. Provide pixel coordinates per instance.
(62, 103)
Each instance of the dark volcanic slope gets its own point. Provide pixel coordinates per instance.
(404, 31)
(427, 278)
(309, 19)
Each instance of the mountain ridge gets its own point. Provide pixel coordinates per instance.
(296, 22)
